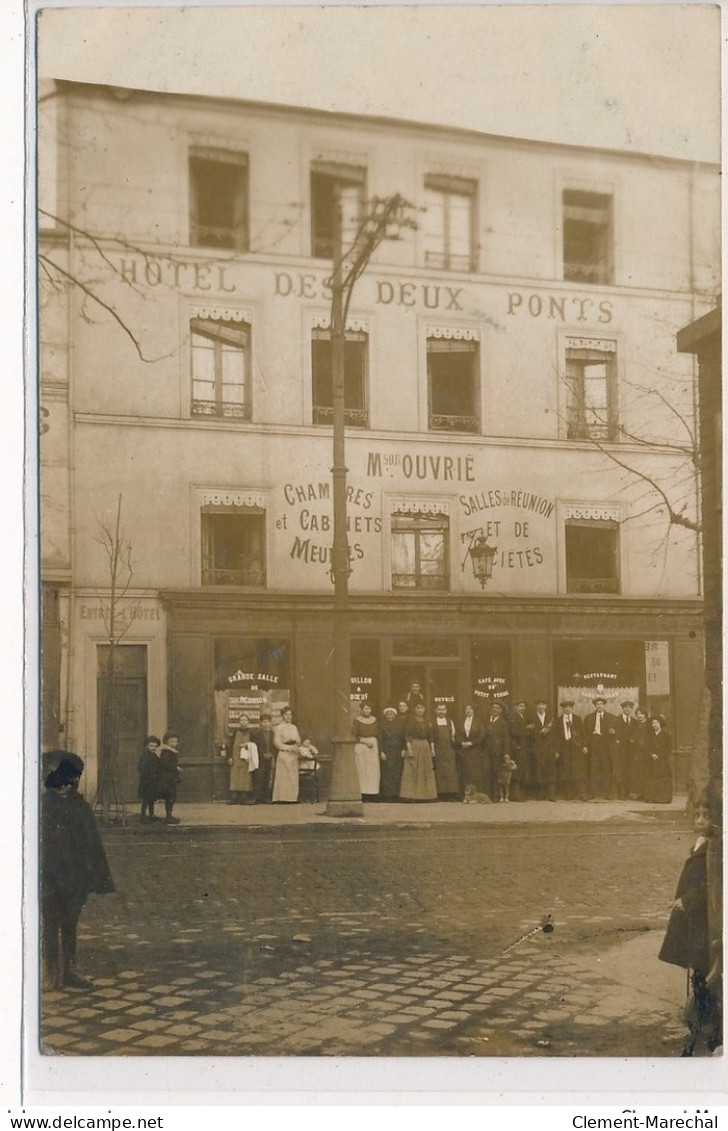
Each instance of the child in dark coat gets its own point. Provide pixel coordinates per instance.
(148, 769)
(73, 864)
(687, 941)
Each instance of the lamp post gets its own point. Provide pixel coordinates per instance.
(345, 793)
(382, 216)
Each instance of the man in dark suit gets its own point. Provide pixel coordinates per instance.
(597, 725)
(522, 786)
(571, 754)
(623, 750)
(263, 776)
(540, 725)
(497, 743)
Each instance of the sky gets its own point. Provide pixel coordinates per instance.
(643, 78)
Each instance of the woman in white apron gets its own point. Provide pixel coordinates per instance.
(287, 741)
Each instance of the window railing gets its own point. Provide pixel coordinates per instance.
(592, 584)
(597, 273)
(440, 422)
(212, 408)
(205, 235)
(250, 573)
(419, 581)
(449, 261)
(354, 417)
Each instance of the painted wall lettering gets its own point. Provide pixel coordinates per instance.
(560, 309)
(176, 273)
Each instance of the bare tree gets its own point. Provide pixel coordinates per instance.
(118, 552)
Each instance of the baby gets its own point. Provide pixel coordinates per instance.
(307, 755)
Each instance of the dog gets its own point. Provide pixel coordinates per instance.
(472, 797)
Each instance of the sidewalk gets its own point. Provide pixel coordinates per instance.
(218, 814)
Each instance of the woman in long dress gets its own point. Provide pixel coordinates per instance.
(658, 781)
(446, 768)
(287, 741)
(390, 754)
(366, 753)
(418, 776)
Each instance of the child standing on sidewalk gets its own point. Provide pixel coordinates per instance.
(687, 941)
(505, 773)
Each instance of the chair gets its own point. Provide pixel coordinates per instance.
(308, 779)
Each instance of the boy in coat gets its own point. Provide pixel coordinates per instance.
(72, 864)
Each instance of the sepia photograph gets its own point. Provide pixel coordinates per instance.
(379, 471)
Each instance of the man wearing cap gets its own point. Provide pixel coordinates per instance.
(623, 750)
(72, 865)
(263, 776)
(573, 766)
(596, 734)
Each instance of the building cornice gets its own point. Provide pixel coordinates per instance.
(123, 95)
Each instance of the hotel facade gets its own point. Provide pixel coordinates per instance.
(511, 373)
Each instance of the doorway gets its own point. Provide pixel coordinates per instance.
(437, 683)
(122, 705)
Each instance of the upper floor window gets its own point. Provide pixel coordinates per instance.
(333, 184)
(220, 368)
(448, 223)
(592, 556)
(355, 378)
(587, 220)
(420, 551)
(452, 379)
(233, 546)
(591, 389)
(218, 198)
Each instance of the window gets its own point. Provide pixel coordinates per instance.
(592, 556)
(591, 392)
(355, 378)
(218, 199)
(233, 547)
(329, 181)
(587, 237)
(452, 377)
(220, 368)
(420, 551)
(447, 223)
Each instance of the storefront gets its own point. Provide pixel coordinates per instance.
(277, 649)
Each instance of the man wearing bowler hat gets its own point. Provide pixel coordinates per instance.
(596, 727)
(571, 753)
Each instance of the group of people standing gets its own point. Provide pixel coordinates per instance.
(512, 752)
(265, 763)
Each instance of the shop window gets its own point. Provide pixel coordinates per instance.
(587, 220)
(592, 556)
(365, 669)
(331, 183)
(355, 378)
(448, 223)
(220, 368)
(491, 667)
(591, 391)
(420, 551)
(452, 379)
(233, 548)
(218, 198)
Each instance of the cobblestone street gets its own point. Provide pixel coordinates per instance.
(382, 939)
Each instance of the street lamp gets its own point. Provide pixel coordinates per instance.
(482, 556)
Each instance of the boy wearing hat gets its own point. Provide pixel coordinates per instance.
(72, 864)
